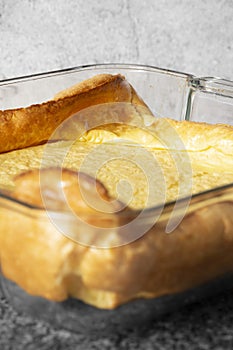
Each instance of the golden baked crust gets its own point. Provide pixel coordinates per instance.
(198, 250)
(163, 150)
(34, 125)
(207, 144)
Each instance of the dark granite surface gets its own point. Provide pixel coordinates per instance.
(204, 325)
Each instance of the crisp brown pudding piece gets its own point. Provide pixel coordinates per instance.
(34, 125)
(156, 264)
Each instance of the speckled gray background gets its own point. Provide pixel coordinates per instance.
(191, 36)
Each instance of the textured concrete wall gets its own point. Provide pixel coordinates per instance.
(191, 36)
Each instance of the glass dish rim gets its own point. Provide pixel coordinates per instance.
(147, 211)
(130, 66)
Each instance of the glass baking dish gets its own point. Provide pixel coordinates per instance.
(168, 94)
